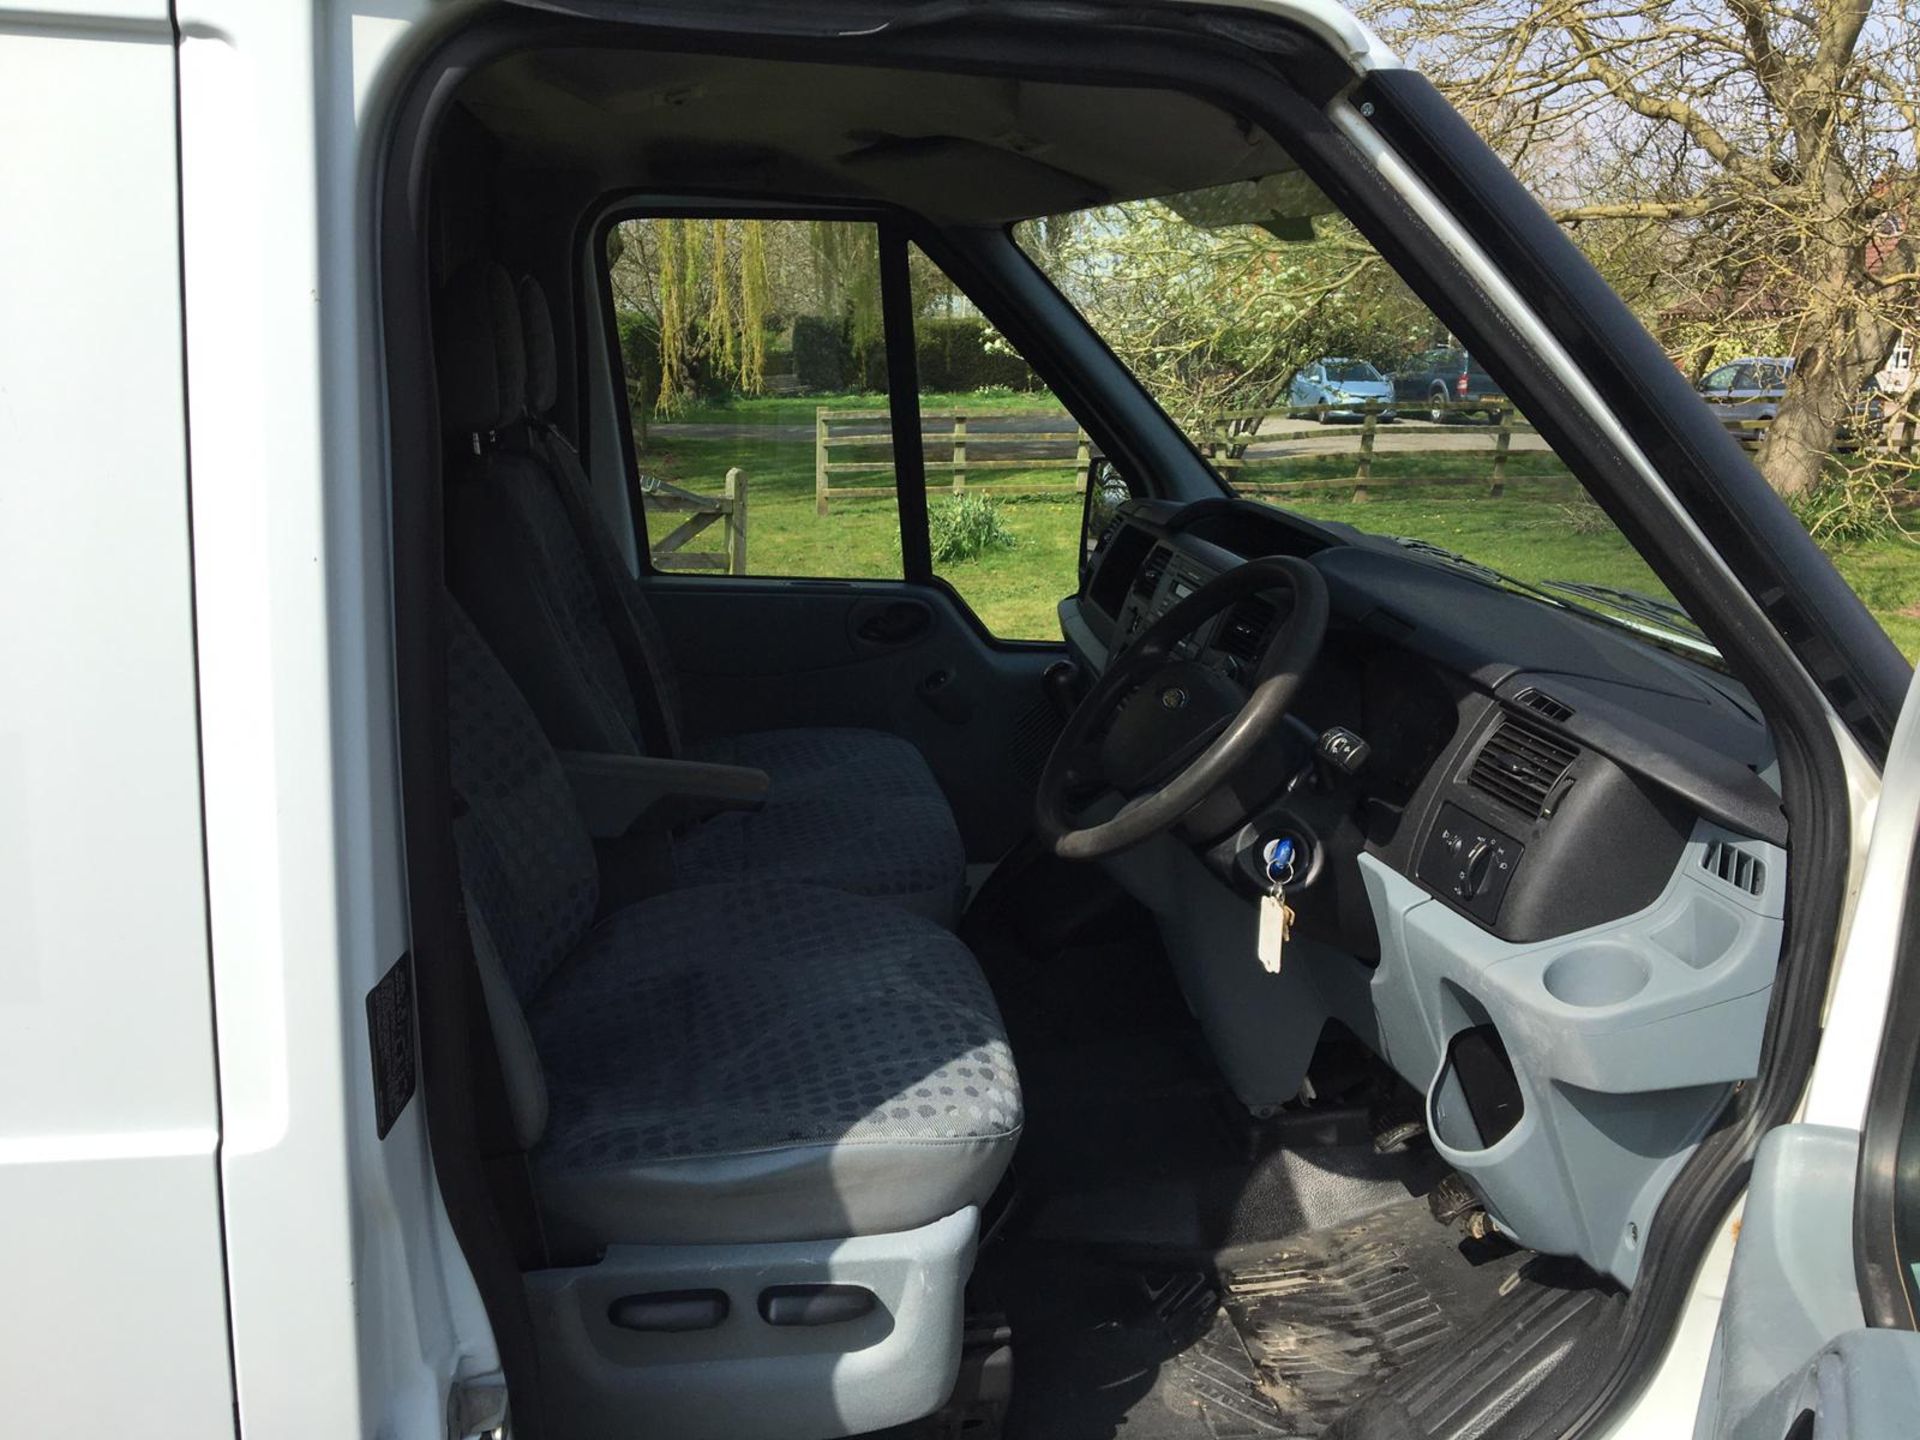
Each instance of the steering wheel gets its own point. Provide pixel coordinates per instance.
(1166, 731)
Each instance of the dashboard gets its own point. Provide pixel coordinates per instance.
(1541, 864)
(1531, 768)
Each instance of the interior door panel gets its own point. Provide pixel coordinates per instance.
(768, 654)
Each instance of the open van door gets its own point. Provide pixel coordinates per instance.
(1816, 1336)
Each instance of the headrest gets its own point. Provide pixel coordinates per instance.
(482, 361)
(536, 329)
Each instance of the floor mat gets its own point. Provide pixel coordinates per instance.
(1325, 1320)
(1171, 1269)
(1277, 1341)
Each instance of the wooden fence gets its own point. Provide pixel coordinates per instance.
(1892, 434)
(1074, 451)
(729, 507)
(1231, 433)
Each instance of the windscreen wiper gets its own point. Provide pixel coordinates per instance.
(1455, 560)
(1632, 602)
(1651, 618)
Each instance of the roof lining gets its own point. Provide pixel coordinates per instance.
(964, 149)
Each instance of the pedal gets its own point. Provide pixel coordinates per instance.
(1452, 1200)
(1397, 1126)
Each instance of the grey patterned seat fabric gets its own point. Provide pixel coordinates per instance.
(857, 810)
(842, 803)
(722, 1063)
(814, 1064)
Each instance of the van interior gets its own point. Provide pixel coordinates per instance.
(1271, 994)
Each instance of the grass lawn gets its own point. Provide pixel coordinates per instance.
(1541, 528)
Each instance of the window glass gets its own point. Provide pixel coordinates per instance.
(1219, 320)
(735, 337)
(1721, 379)
(1007, 466)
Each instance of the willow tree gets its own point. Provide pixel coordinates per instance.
(702, 287)
(1755, 158)
(846, 261)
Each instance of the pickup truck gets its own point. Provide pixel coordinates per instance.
(1447, 382)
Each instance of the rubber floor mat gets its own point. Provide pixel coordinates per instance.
(1306, 1330)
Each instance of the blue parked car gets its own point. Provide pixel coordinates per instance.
(1343, 386)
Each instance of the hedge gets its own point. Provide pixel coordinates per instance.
(822, 356)
(952, 355)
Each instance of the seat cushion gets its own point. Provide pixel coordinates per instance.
(854, 810)
(775, 1062)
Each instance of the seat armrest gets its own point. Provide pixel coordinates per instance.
(616, 791)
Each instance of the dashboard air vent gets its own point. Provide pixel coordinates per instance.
(1243, 634)
(1519, 766)
(1541, 703)
(1734, 866)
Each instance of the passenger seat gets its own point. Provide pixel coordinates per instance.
(528, 556)
(760, 1118)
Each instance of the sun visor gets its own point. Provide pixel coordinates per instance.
(1282, 204)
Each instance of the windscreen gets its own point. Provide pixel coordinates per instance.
(1244, 310)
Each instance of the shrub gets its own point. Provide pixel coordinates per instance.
(965, 527)
(955, 355)
(1584, 517)
(1850, 506)
(640, 355)
(822, 356)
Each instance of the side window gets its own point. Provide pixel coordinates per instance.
(1718, 382)
(735, 336)
(1006, 465)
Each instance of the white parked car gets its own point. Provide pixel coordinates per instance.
(467, 968)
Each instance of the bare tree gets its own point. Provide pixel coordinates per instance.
(1740, 160)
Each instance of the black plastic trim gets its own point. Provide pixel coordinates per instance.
(610, 338)
(903, 405)
(810, 1305)
(670, 1312)
(1886, 1237)
(446, 994)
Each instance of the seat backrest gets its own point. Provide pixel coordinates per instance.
(547, 605)
(549, 442)
(526, 861)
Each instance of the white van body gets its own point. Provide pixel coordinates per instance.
(200, 818)
(199, 795)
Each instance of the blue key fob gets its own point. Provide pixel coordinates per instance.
(1279, 857)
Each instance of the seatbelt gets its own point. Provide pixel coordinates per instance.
(659, 727)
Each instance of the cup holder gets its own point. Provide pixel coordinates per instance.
(1596, 976)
